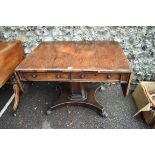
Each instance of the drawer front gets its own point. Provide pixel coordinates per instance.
(96, 77)
(44, 76)
(124, 78)
(76, 77)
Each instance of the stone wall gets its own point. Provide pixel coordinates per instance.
(138, 43)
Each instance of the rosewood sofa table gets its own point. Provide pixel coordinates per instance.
(77, 62)
(11, 54)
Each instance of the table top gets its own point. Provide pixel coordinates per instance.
(4, 46)
(11, 54)
(100, 56)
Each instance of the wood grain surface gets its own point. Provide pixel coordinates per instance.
(11, 54)
(73, 56)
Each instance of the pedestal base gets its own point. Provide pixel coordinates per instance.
(78, 96)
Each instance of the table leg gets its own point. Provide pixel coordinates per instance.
(19, 82)
(78, 96)
(16, 89)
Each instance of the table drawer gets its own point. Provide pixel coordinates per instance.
(96, 76)
(44, 76)
(81, 77)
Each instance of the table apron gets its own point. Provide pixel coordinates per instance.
(74, 77)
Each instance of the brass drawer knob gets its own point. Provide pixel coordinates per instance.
(58, 76)
(34, 75)
(82, 76)
(108, 76)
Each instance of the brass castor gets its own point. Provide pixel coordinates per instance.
(14, 114)
(48, 112)
(104, 114)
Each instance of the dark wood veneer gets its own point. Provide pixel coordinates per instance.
(77, 62)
